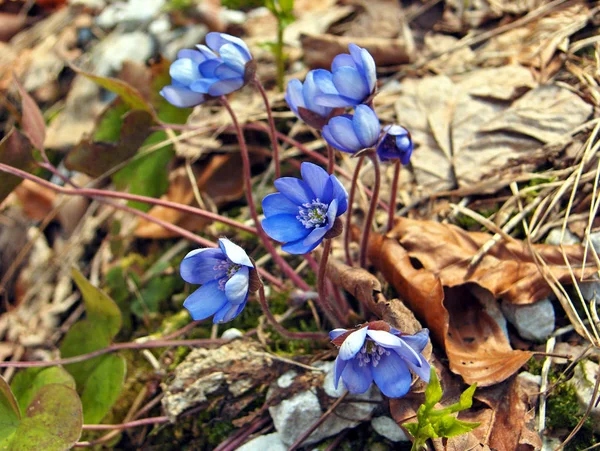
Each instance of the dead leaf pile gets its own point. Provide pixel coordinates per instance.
(439, 289)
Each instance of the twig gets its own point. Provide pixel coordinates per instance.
(371, 214)
(353, 185)
(393, 194)
(272, 130)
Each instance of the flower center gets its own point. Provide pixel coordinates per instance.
(371, 352)
(230, 269)
(312, 214)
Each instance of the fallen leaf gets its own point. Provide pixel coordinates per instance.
(37, 201)
(218, 178)
(15, 151)
(319, 50)
(10, 25)
(32, 120)
(476, 125)
(508, 270)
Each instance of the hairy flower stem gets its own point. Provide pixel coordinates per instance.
(272, 130)
(330, 159)
(393, 194)
(322, 277)
(282, 330)
(99, 194)
(364, 243)
(353, 184)
(287, 269)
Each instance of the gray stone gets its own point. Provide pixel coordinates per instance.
(293, 416)
(584, 379)
(269, 442)
(232, 16)
(185, 38)
(109, 55)
(388, 428)
(286, 379)
(553, 237)
(536, 379)
(232, 334)
(595, 239)
(534, 321)
(590, 290)
(131, 13)
(491, 306)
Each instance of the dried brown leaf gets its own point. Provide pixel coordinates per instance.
(32, 120)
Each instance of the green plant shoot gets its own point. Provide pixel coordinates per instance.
(283, 10)
(439, 423)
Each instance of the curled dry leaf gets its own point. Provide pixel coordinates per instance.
(218, 178)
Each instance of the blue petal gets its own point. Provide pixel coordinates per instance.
(357, 379)
(350, 83)
(208, 53)
(297, 247)
(338, 369)
(224, 72)
(316, 178)
(340, 194)
(335, 100)
(343, 59)
(314, 238)
(225, 86)
(355, 54)
(293, 95)
(394, 342)
(392, 376)
(236, 288)
(328, 191)
(327, 136)
(198, 265)
(336, 333)
(366, 126)
(423, 370)
(235, 253)
(417, 341)
(205, 301)
(284, 228)
(353, 343)
(323, 79)
(182, 97)
(185, 71)
(203, 85)
(228, 312)
(208, 67)
(343, 132)
(310, 91)
(194, 55)
(216, 40)
(295, 190)
(234, 57)
(277, 203)
(369, 69)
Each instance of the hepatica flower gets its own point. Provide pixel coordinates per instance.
(300, 97)
(380, 353)
(396, 143)
(224, 273)
(303, 211)
(198, 75)
(351, 133)
(352, 79)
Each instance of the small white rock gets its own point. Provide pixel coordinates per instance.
(584, 379)
(389, 429)
(133, 12)
(109, 55)
(286, 379)
(232, 16)
(536, 379)
(554, 235)
(534, 321)
(232, 334)
(269, 442)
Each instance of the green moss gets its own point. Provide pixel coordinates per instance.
(534, 366)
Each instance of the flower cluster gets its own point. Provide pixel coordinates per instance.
(304, 211)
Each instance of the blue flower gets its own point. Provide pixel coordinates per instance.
(351, 133)
(396, 143)
(200, 74)
(303, 211)
(301, 100)
(352, 80)
(380, 353)
(224, 273)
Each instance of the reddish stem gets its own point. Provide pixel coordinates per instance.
(371, 215)
(330, 159)
(289, 271)
(393, 194)
(353, 185)
(272, 130)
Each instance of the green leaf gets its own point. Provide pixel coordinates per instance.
(100, 309)
(287, 6)
(449, 426)
(15, 151)
(433, 392)
(412, 428)
(466, 398)
(147, 175)
(158, 290)
(128, 93)
(10, 416)
(28, 382)
(103, 387)
(52, 421)
(95, 158)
